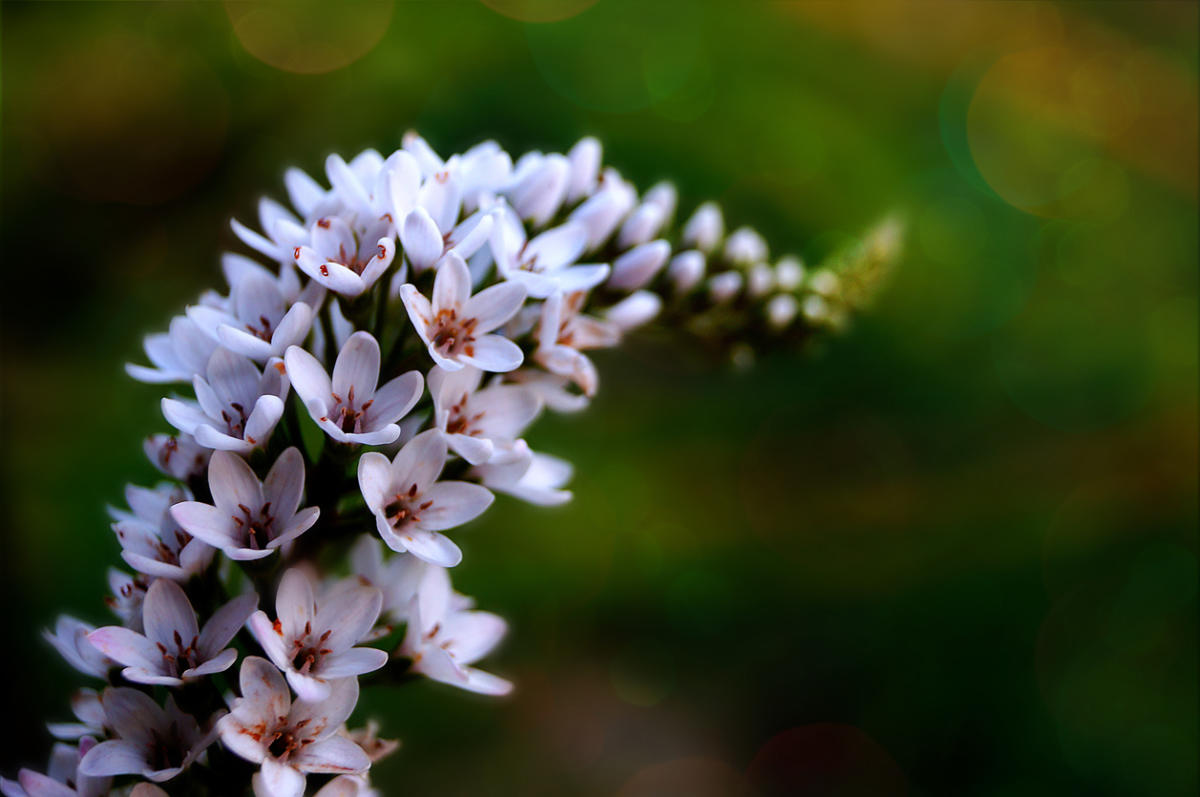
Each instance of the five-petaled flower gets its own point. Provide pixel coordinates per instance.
(174, 650)
(411, 506)
(349, 407)
(455, 325)
(249, 519)
(261, 322)
(474, 421)
(313, 641)
(152, 541)
(62, 778)
(546, 263)
(290, 739)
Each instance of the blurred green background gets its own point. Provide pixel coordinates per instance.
(951, 552)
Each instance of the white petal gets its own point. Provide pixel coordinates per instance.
(452, 285)
(232, 482)
(356, 371)
(280, 780)
(492, 306)
(454, 503)
(168, 615)
(307, 375)
(496, 354)
(421, 238)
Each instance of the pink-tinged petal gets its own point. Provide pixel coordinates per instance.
(493, 306)
(557, 247)
(225, 623)
(167, 615)
(441, 195)
(294, 603)
(581, 278)
(292, 328)
(420, 312)
(131, 714)
(338, 278)
(395, 398)
(113, 758)
(204, 522)
(374, 478)
(454, 503)
(448, 363)
(379, 437)
(264, 693)
(485, 683)
(496, 354)
(470, 236)
(239, 737)
(356, 370)
(248, 554)
(266, 413)
(430, 546)
(243, 343)
(127, 647)
(278, 780)
(452, 285)
(183, 416)
(301, 522)
(419, 463)
(232, 377)
(347, 184)
(335, 754)
(308, 687)
(140, 675)
(475, 450)
(584, 160)
(269, 639)
(232, 483)
(324, 717)
(255, 241)
(285, 483)
(307, 375)
(635, 268)
(437, 664)
(421, 238)
(344, 786)
(304, 192)
(474, 634)
(209, 437)
(218, 663)
(352, 662)
(348, 615)
(385, 251)
(507, 411)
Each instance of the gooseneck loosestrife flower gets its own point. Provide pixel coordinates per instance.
(424, 311)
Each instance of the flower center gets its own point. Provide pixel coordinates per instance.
(461, 420)
(258, 529)
(283, 743)
(347, 418)
(307, 653)
(404, 508)
(262, 332)
(452, 336)
(183, 655)
(235, 426)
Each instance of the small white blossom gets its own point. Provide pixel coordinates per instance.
(724, 286)
(744, 245)
(664, 196)
(237, 406)
(178, 456)
(350, 407)
(602, 212)
(584, 162)
(545, 263)
(313, 642)
(397, 577)
(62, 778)
(174, 650)
(685, 270)
(262, 323)
(475, 420)
(411, 506)
(781, 309)
(563, 335)
(455, 325)
(70, 639)
(538, 186)
(282, 231)
(789, 273)
(128, 593)
(151, 541)
(555, 391)
(289, 739)
(704, 229)
(760, 279)
(347, 258)
(155, 743)
(249, 519)
(443, 639)
(177, 355)
(634, 310)
(532, 477)
(634, 269)
(478, 172)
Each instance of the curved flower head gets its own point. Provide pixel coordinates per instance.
(152, 541)
(62, 778)
(349, 407)
(249, 519)
(290, 739)
(411, 506)
(155, 743)
(237, 406)
(174, 650)
(455, 325)
(444, 638)
(313, 641)
(261, 322)
(546, 263)
(474, 421)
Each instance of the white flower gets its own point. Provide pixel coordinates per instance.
(546, 263)
(744, 245)
(634, 269)
(289, 739)
(237, 405)
(455, 325)
(554, 390)
(341, 786)
(128, 593)
(475, 420)
(86, 706)
(563, 334)
(396, 576)
(781, 309)
(481, 170)
(156, 743)
(347, 258)
(724, 286)
(151, 541)
(538, 186)
(70, 639)
(425, 243)
(532, 477)
(649, 218)
(685, 270)
(704, 229)
(178, 456)
(349, 407)
(789, 273)
(584, 160)
(260, 324)
(314, 642)
(239, 268)
(411, 507)
(634, 310)
(249, 519)
(603, 211)
(443, 639)
(760, 279)
(177, 355)
(62, 778)
(282, 228)
(174, 650)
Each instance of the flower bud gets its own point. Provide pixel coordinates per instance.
(638, 266)
(781, 310)
(723, 287)
(744, 245)
(789, 273)
(584, 161)
(704, 229)
(686, 270)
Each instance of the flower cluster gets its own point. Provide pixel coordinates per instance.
(365, 384)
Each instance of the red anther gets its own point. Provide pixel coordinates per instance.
(324, 270)
(323, 224)
(296, 253)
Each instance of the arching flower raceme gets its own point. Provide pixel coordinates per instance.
(155, 743)
(62, 778)
(174, 649)
(474, 421)
(455, 325)
(261, 322)
(546, 263)
(313, 641)
(152, 542)
(290, 739)
(349, 407)
(177, 355)
(237, 406)
(444, 637)
(411, 507)
(249, 519)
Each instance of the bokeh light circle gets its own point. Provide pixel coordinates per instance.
(307, 37)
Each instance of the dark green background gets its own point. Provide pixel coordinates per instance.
(951, 552)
